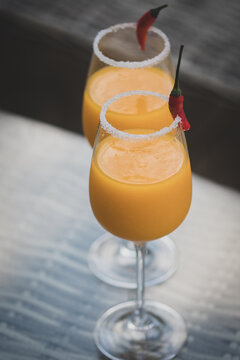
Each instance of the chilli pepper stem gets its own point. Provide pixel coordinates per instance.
(176, 84)
(154, 12)
(175, 101)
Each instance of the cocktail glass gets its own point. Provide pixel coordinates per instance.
(140, 189)
(118, 64)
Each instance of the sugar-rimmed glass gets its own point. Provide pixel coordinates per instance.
(140, 189)
(118, 64)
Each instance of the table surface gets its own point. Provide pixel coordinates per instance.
(209, 30)
(49, 300)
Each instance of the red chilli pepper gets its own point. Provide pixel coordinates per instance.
(175, 102)
(144, 24)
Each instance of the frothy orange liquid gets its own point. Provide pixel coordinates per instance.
(140, 190)
(130, 112)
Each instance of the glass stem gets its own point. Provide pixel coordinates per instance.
(129, 245)
(140, 254)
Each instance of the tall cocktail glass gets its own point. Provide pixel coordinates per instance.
(118, 64)
(140, 190)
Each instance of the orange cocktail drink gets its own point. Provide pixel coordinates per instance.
(129, 112)
(140, 181)
(118, 64)
(140, 190)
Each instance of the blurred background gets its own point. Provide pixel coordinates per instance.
(46, 48)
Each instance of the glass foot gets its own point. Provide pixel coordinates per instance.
(160, 335)
(113, 260)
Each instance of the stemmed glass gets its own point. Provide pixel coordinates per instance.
(140, 189)
(118, 64)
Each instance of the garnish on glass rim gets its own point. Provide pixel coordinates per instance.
(144, 23)
(176, 97)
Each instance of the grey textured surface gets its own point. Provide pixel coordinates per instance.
(49, 301)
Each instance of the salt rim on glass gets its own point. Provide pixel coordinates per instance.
(130, 64)
(124, 135)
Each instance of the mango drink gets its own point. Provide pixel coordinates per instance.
(128, 112)
(140, 190)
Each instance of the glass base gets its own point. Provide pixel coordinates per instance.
(160, 335)
(113, 260)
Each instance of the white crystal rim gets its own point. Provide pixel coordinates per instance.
(124, 135)
(130, 64)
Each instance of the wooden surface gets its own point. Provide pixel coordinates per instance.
(43, 77)
(46, 49)
(209, 30)
(49, 301)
